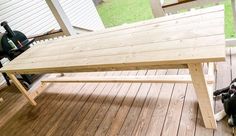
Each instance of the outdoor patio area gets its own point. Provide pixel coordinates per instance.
(117, 67)
(114, 108)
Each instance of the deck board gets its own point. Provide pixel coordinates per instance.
(174, 113)
(113, 108)
(187, 125)
(159, 114)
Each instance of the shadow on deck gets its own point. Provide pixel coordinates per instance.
(113, 108)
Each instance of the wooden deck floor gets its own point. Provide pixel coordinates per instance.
(113, 108)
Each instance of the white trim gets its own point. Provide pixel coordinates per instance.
(61, 17)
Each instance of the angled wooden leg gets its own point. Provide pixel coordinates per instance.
(22, 89)
(203, 95)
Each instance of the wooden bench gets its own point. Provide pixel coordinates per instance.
(175, 6)
(170, 3)
(180, 41)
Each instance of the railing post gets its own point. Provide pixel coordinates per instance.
(157, 10)
(234, 13)
(61, 17)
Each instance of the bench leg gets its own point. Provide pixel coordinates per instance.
(22, 89)
(203, 95)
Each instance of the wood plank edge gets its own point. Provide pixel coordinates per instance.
(125, 79)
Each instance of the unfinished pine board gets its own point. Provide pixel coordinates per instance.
(141, 28)
(134, 57)
(120, 46)
(133, 26)
(119, 52)
(125, 79)
(86, 45)
(203, 95)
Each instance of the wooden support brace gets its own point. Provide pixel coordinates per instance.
(22, 89)
(38, 91)
(132, 79)
(203, 96)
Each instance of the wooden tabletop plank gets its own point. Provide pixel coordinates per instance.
(120, 62)
(98, 52)
(195, 30)
(174, 17)
(138, 28)
(153, 43)
(80, 45)
(173, 26)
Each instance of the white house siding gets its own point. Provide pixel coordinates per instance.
(34, 16)
(82, 13)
